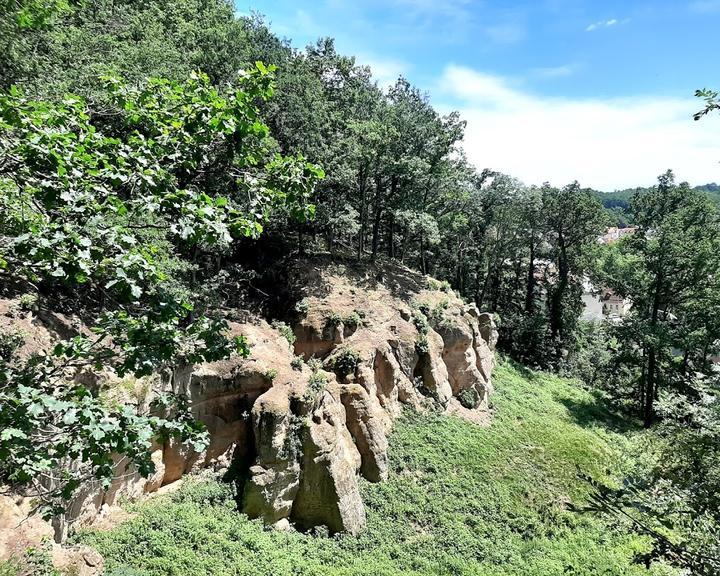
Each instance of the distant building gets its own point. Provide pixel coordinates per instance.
(614, 234)
(602, 304)
(614, 305)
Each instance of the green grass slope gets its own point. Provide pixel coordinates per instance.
(461, 500)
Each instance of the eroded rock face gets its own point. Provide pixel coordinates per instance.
(18, 528)
(488, 329)
(275, 476)
(367, 423)
(328, 493)
(301, 448)
(304, 447)
(433, 370)
(459, 356)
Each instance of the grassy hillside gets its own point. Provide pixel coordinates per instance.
(460, 500)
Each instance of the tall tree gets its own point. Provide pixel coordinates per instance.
(671, 273)
(574, 219)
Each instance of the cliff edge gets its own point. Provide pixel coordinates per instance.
(297, 423)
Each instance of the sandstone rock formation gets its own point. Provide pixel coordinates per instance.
(373, 340)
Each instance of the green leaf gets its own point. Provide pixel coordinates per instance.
(10, 433)
(35, 409)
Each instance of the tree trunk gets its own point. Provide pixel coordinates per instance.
(376, 232)
(391, 236)
(459, 268)
(557, 327)
(496, 288)
(301, 243)
(478, 289)
(378, 208)
(480, 296)
(330, 240)
(363, 215)
(649, 408)
(530, 284)
(650, 384)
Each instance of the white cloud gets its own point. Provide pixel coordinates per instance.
(384, 70)
(605, 24)
(605, 144)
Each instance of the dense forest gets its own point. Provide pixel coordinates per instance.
(156, 156)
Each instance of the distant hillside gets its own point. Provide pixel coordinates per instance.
(617, 203)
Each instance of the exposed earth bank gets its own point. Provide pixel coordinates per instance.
(310, 410)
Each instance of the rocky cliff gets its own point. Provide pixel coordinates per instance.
(310, 411)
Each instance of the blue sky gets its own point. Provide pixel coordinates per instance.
(552, 89)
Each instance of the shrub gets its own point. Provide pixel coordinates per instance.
(438, 314)
(421, 345)
(28, 302)
(420, 320)
(355, 319)
(285, 330)
(334, 319)
(270, 374)
(297, 362)
(315, 364)
(316, 384)
(424, 315)
(10, 341)
(469, 398)
(203, 490)
(442, 285)
(302, 306)
(447, 322)
(317, 380)
(346, 362)
(38, 561)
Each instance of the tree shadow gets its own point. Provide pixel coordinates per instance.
(587, 413)
(592, 413)
(526, 372)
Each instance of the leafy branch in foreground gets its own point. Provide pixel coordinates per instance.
(98, 204)
(55, 436)
(712, 102)
(672, 492)
(662, 512)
